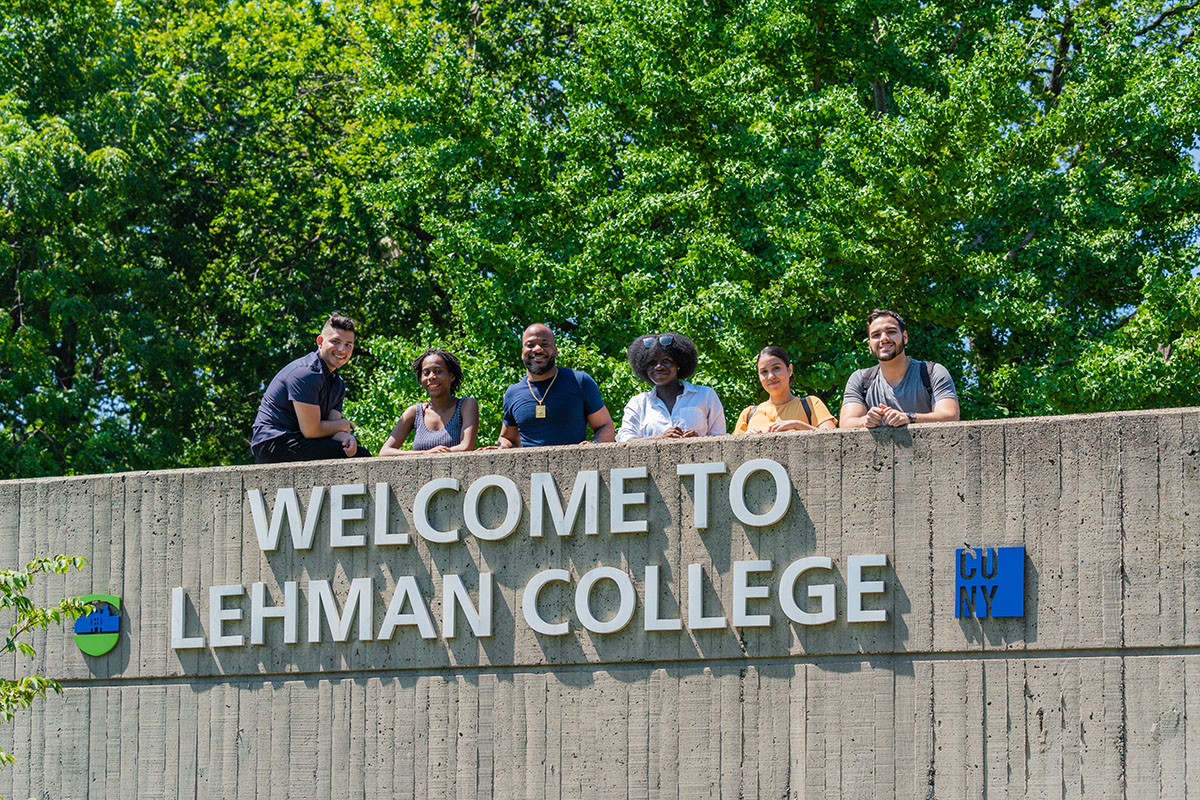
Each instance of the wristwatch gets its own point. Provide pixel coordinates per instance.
(911, 418)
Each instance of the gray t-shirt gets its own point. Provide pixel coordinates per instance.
(908, 396)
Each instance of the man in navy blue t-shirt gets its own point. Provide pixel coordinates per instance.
(300, 416)
(552, 405)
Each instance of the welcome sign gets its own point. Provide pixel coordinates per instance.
(552, 600)
(772, 614)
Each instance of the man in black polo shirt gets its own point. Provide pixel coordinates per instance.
(300, 416)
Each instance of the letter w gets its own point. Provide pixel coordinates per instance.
(585, 492)
(286, 503)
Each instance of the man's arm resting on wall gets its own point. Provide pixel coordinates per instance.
(944, 410)
(509, 437)
(601, 424)
(348, 442)
(857, 415)
(313, 427)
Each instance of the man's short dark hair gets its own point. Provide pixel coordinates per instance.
(341, 323)
(883, 312)
(448, 358)
(680, 348)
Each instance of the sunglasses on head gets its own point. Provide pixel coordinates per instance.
(666, 340)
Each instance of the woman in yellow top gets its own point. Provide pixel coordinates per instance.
(783, 411)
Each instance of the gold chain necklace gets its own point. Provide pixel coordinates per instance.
(539, 411)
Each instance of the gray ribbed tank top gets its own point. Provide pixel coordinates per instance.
(425, 439)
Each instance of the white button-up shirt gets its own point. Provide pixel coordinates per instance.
(698, 408)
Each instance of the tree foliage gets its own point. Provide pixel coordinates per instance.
(178, 211)
(186, 190)
(28, 616)
(1015, 180)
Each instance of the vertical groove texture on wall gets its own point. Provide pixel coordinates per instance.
(1084, 697)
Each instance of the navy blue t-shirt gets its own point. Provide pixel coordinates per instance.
(306, 380)
(569, 401)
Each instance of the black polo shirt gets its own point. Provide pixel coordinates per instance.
(306, 380)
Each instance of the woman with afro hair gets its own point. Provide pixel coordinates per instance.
(672, 408)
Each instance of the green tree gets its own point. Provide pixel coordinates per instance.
(264, 221)
(1014, 179)
(186, 190)
(179, 209)
(73, 165)
(14, 587)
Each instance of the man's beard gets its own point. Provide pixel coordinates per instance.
(534, 369)
(897, 352)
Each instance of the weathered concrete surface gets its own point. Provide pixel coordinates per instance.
(1047, 727)
(1084, 696)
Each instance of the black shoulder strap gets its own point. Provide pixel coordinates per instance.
(803, 402)
(926, 381)
(869, 377)
(750, 416)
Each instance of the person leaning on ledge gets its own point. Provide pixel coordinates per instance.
(300, 416)
(552, 405)
(783, 410)
(446, 423)
(898, 390)
(672, 408)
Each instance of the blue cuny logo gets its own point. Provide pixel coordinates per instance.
(989, 582)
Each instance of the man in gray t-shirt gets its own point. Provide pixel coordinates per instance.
(899, 390)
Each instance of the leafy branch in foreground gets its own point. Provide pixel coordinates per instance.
(14, 584)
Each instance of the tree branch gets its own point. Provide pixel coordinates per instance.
(475, 15)
(1012, 254)
(1164, 16)
(881, 102)
(1126, 319)
(419, 232)
(1058, 73)
(957, 37)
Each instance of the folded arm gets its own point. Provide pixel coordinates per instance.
(470, 426)
(944, 410)
(857, 415)
(509, 437)
(313, 427)
(395, 440)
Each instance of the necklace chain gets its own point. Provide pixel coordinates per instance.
(541, 401)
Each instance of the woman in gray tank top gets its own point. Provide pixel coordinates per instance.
(445, 423)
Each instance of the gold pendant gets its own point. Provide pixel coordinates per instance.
(539, 411)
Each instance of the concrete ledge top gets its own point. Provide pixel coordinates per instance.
(885, 434)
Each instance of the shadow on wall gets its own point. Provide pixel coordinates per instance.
(690, 615)
(1006, 631)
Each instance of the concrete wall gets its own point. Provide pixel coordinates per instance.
(1084, 696)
